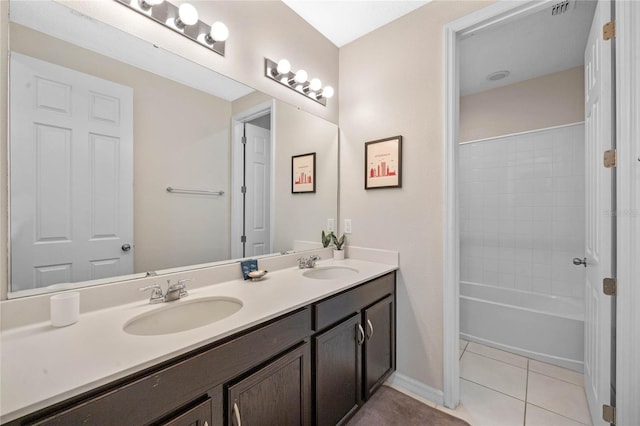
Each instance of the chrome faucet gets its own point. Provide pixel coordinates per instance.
(174, 292)
(306, 263)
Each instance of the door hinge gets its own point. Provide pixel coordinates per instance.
(244, 140)
(609, 414)
(609, 286)
(609, 158)
(243, 239)
(243, 189)
(609, 30)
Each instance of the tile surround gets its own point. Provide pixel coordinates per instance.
(522, 211)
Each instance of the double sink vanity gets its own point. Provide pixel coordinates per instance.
(299, 347)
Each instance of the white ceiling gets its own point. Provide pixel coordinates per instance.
(342, 21)
(529, 47)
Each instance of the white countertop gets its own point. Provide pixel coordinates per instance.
(41, 365)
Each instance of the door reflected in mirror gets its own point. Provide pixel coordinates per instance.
(98, 135)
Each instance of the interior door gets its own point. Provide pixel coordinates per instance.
(71, 175)
(599, 221)
(257, 199)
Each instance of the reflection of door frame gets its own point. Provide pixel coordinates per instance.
(627, 92)
(237, 122)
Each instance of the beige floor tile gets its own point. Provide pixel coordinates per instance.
(556, 372)
(481, 406)
(509, 358)
(561, 397)
(494, 374)
(537, 416)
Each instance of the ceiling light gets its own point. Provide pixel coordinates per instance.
(498, 75)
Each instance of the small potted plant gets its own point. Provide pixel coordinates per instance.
(327, 237)
(338, 253)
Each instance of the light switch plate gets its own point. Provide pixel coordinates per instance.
(331, 225)
(347, 226)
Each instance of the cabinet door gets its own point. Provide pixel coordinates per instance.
(337, 361)
(379, 346)
(200, 415)
(278, 394)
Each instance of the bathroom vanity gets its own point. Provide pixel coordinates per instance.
(316, 363)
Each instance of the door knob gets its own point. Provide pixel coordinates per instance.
(126, 247)
(577, 261)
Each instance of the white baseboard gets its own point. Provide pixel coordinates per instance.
(413, 387)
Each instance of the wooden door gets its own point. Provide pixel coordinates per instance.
(599, 219)
(71, 175)
(338, 371)
(278, 394)
(379, 346)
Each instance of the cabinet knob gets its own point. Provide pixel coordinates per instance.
(360, 336)
(370, 329)
(236, 413)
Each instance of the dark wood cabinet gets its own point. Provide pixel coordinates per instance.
(379, 345)
(277, 394)
(354, 357)
(316, 365)
(337, 372)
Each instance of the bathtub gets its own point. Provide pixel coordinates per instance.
(541, 327)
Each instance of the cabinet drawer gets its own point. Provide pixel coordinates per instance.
(351, 301)
(155, 395)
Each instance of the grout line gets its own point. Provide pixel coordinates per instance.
(490, 357)
(557, 414)
(494, 390)
(526, 395)
(562, 380)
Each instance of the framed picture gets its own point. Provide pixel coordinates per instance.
(303, 173)
(383, 163)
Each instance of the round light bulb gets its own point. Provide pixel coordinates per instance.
(327, 92)
(315, 84)
(284, 67)
(219, 31)
(301, 76)
(187, 14)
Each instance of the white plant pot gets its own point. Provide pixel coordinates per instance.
(338, 254)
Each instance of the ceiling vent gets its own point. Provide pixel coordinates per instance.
(560, 8)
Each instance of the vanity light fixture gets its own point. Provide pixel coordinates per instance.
(298, 81)
(183, 20)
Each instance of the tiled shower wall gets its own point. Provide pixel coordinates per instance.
(522, 211)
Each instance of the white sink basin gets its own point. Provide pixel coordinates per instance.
(329, 272)
(182, 315)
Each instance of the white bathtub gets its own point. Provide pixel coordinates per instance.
(546, 328)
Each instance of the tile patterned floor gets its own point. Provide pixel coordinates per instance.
(501, 388)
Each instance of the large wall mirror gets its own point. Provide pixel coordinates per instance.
(103, 123)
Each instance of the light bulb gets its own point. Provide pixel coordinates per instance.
(148, 4)
(284, 67)
(327, 92)
(301, 76)
(187, 15)
(219, 31)
(315, 84)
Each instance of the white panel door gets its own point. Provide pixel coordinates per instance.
(599, 220)
(71, 175)
(257, 200)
